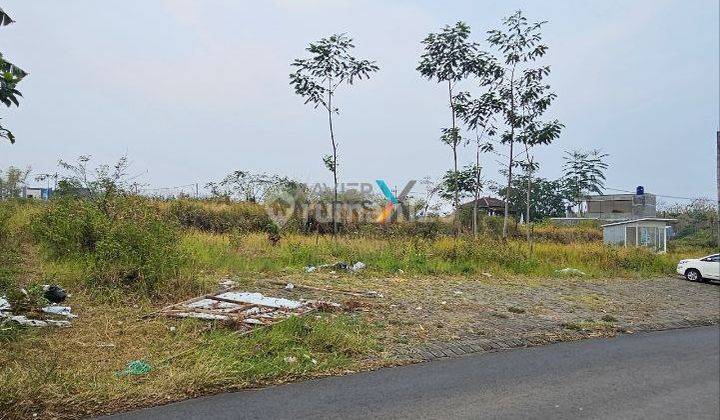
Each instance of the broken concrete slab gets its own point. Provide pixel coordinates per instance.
(245, 309)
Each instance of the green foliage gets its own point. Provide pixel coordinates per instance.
(547, 198)
(449, 56)
(331, 64)
(9, 248)
(219, 217)
(10, 76)
(696, 223)
(463, 182)
(131, 244)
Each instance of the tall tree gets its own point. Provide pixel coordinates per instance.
(317, 78)
(479, 114)
(584, 173)
(521, 91)
(449, 57)
(10, 76)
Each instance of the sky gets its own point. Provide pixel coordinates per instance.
(192, 90)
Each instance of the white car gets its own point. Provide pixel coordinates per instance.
(700, 269)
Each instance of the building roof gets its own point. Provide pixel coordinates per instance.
(644, 219)
(487, 202)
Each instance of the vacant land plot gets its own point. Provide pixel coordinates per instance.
(125, 261)
(75, 371)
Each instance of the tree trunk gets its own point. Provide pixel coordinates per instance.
(509, 182)
(527, 210)
(510, 165)
(455, 160)
(334, 161)
(477, 190)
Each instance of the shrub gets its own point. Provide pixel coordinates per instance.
(70, 227)
(132, 243)
(9, 252)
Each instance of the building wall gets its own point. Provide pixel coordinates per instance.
(614, 235)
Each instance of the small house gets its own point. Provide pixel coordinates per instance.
(650, 232)
(488, 205)
(36, 193)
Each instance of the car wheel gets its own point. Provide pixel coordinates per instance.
(693, 275)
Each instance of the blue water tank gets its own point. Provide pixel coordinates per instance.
(640, 190)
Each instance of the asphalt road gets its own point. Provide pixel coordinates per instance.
(669, 374)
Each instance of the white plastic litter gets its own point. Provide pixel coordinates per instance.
(357, 266)
(5, 313)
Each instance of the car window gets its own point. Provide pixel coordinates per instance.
(712, 258)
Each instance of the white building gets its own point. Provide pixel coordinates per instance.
(650, 232)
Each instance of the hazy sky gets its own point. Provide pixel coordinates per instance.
(191, 90)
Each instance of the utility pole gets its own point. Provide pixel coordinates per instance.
(717, 158)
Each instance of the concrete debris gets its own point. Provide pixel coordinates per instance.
(310, 269)
(245, 309)
(570, 271)
(290, 359)
(54, 310)
(289, 287)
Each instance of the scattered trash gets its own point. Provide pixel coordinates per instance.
(289, 287)
(54, 293)
(401, 271)
(369, 293)
(59, 310)
(27, 322)
(135, 368)
(488, 275)
(570, 271)
(343, 266)
(457, 293)
(290, 359)
(227, 283)
(357, 266)
(172, 329)
(443, 303)
(245, 309)
(53, 310)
